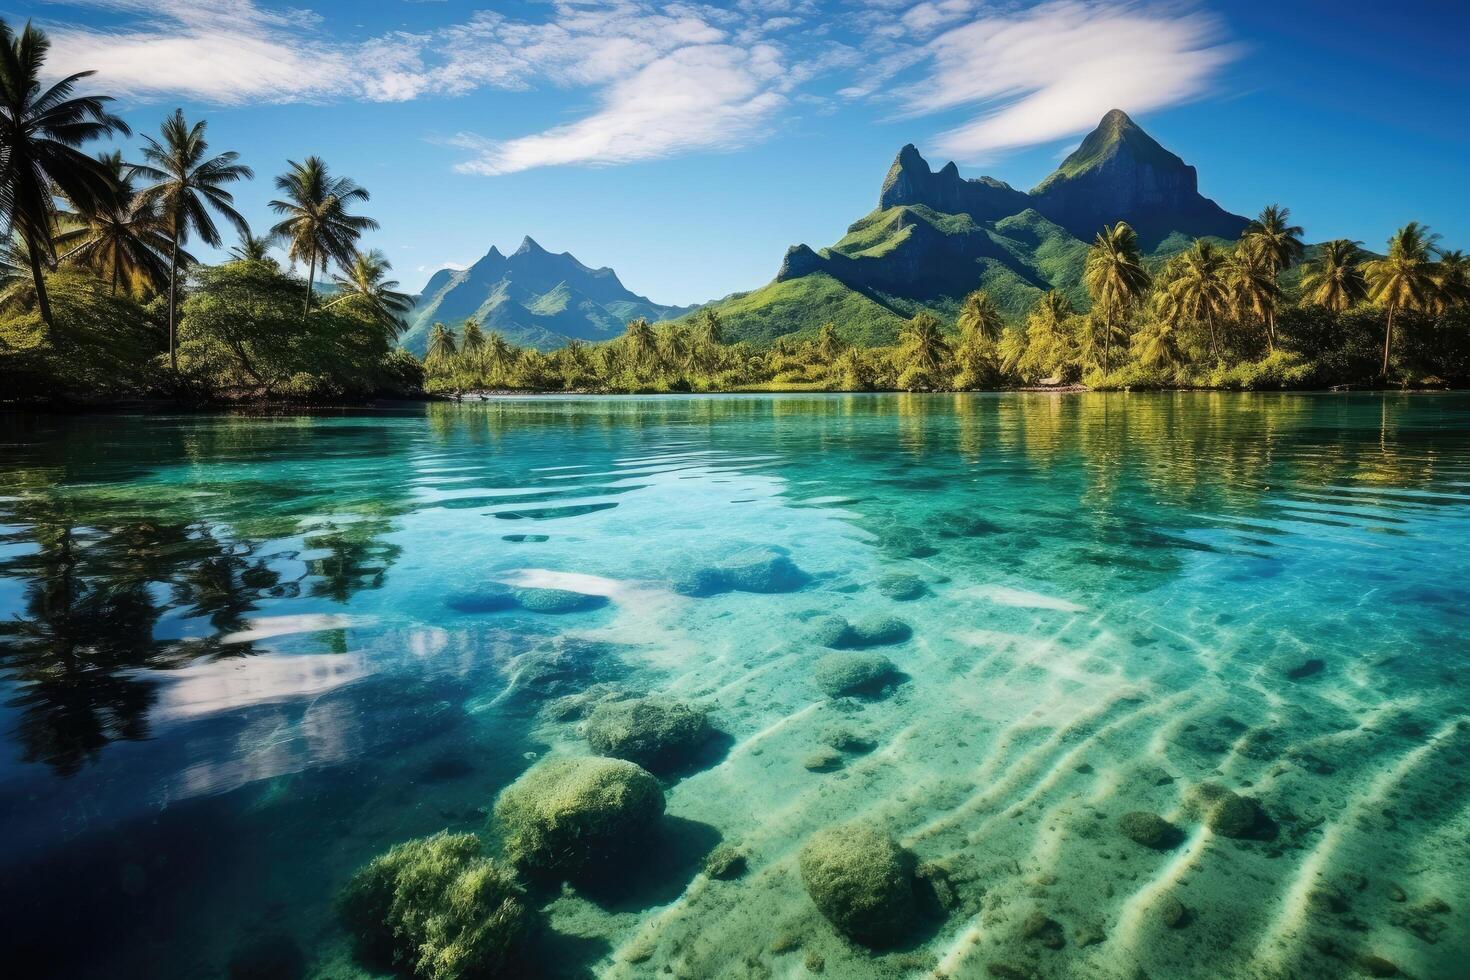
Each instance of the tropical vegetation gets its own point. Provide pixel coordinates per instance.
(101, 299)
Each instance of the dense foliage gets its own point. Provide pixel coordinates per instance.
(1263, 312)
(99, 300)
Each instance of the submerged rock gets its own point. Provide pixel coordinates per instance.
(561, 667)
(1148, 829)
(495, 597)
(1305, 669)
(1042, 929)
(658, 733)
(760, 571)
(1170, 912)
(870, 631)
(823, 760)
(862, 882)
(902, 587)
(860, 674)
(437, 908)
(1225, 813)
(557, 601)
(725, 862)
(563, 814)
(845, 739)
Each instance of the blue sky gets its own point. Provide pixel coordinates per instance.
(688, 145)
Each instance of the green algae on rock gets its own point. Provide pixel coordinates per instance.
(902, 586)
(725, 862)
(1148, 829)
(436, 907)
(862, 882)
(1224, 812)
(843, 674)
(870, 631)
(658, 733)
(564, 813)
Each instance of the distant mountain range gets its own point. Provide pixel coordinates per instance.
(935, 236)
(533, 297)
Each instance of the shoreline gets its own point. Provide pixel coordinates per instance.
(151, 405)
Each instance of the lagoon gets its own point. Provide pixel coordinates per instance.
(245, 654)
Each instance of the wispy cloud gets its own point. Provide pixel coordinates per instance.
(1053, 71)
(709, 96)
(670, 78)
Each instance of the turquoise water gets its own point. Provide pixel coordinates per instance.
(239, 663)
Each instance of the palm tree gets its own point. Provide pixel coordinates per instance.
(1254, 291)
(40, 131)
(123, 239)
(1280, 245)
(190, 183)
(368, 285)
(712, 331)
(676, 345)
(1453, 279)
(1044, 344)
(500, 356)
(1115, 278)
(1157, 344)
(829, 344)
(979, 316)
(441, 348)
(472, 345)
(1334, 280)
(641, 344)
(317, 224)
(923, 346)
(1405, 280)
(1201, 292)
(252, 248)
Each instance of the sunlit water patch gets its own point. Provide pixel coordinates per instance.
(1034, 640)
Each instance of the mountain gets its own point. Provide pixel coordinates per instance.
(533, 297)
(935, 236)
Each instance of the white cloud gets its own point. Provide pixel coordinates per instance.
(700, 97)
(1053, 71)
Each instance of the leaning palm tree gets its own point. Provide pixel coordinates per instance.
(1201, 292)
(1115, 278)
(317, 223)
(190, 183)
(1254, 292)
(123, 240)
(1280, 246)
(980, 317)
(367, 284)
(1404, 280)
(40, 131)
(1334, 279)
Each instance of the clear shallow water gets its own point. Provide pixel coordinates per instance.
(233, 671)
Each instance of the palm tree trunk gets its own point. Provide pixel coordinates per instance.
(116, 268)
(173, 302)
(1271, 330)
(310, 277)
(42, 300)
(1387, 339)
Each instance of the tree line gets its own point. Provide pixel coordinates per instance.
(1265, 311)
(100, 295)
